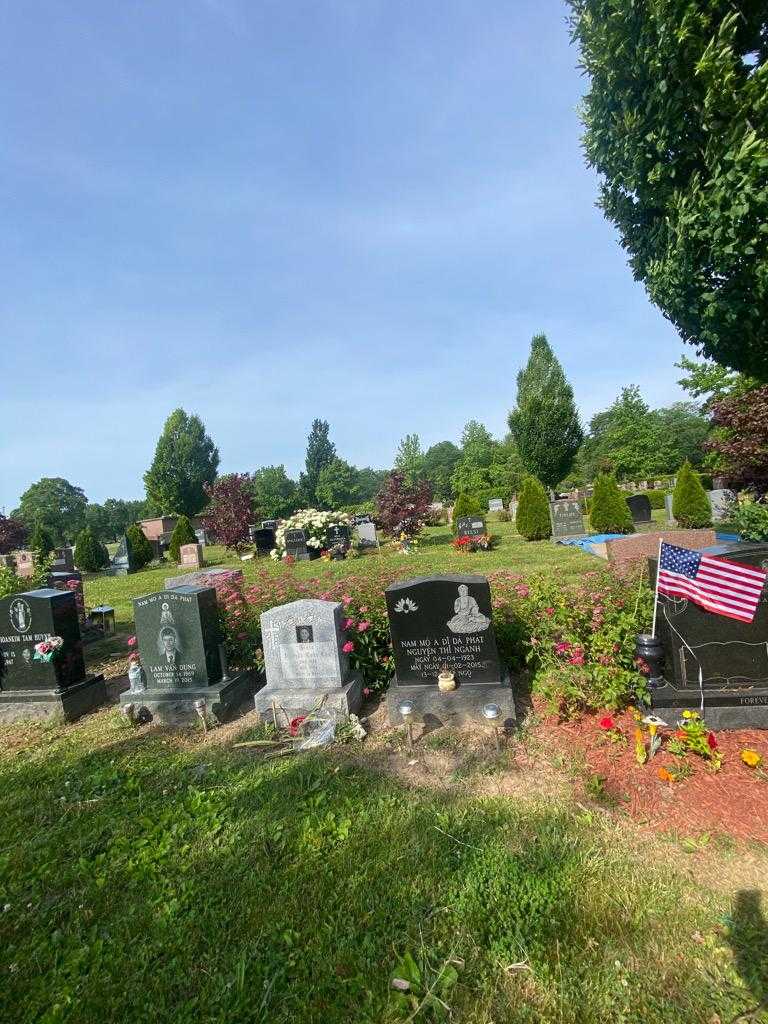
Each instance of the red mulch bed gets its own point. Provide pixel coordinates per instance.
(733, 800)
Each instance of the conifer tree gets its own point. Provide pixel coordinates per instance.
(544, 423)
(690, 504)
(182, 534)
(186, 459)
(608, 511)
(532, 519)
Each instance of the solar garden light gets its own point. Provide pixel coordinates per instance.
(406, 708)
(199, 706)
(225, 677)
(491, 712)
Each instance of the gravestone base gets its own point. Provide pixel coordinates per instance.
(723, 709)
(69, 704)
(176, 708)
(462, 706)
(346, 700)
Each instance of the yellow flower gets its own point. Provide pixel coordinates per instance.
(688, 714)
(751, 758)
(653, 729)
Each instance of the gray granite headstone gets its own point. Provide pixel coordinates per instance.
(496, 505)
(304, 661)
(29, 687)
(720, 502)
(567, 519)
(668, 508)
(366, 533)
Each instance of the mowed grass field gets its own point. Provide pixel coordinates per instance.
(177, 878)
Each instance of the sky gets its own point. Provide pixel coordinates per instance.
(266, 211)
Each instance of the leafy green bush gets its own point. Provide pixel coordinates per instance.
(140, 550)
(10, 583)
(690, 504)
(502, 516)
(41, 541)
(182, 534)
(609, 512)
(532, 520)
(750, 519)
(466, 505)
(90, 553)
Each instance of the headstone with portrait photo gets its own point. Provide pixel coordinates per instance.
(181, 652)
(445, 623)
(305, 662)
(42, 669)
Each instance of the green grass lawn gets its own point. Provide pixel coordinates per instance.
(435, 555)
(174, 878)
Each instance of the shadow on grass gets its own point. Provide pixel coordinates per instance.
(748, 938)
(213, 885)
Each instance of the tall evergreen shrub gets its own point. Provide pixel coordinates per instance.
(182, 534)
(141, 551)
(532, 520)
(609, 512)
(90, 553)
(690, 504)
(466, 505)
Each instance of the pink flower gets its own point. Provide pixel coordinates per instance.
(521, 590)
(348, 623)
(346, 599)
(577, 658)
(364, 609)
(348, 647)
(549, 611)
(362, 626)
(562, 648)
(131, 641)
(366, 691)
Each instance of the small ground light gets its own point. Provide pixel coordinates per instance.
(406, 707)
(491, 712)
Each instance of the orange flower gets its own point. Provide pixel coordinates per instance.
(664, 775)
(638, 735)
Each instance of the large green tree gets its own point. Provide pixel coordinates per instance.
(409, 459)
(545, 423)
(439, 463)
(55, 504)
(676, 121)
(185, 461)
(337, 485)
(275, 495)
(320, 452)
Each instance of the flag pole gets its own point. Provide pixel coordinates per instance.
(656, 592)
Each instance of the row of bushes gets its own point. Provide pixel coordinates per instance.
(608, 508)
(578, 637)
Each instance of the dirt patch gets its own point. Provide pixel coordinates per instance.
(733, 801)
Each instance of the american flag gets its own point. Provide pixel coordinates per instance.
(717, 584)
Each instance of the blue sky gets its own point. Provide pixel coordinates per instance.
(270, 210)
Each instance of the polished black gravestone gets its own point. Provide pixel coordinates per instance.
(438, 621)
(567, 519)
(470, 526)
(339, 536)
(724, 658)
(640, 507)
(296, 545)
(264, 539)
(39, 689)
(182, 657)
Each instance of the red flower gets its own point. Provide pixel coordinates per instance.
(711, 741)
(606, 722)
(293, 727)
(681, 734)
(131, 641)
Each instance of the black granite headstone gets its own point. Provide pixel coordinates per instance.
(358, 519)
(180, 650)
(640, 507)
(446, 621)
(470, 526)
(437, 620)
(567, 519)
(270, 524)
(296, 545)
(30, 687)
(264, 539)
(723, 659)
(339, 535)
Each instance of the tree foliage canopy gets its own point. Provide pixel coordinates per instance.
(231, 509)
(185, 461)
(275, 495)
(55, 504)
(676, 124)
(544, 423)
(320, 452)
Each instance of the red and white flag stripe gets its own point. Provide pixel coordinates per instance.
(721, 586)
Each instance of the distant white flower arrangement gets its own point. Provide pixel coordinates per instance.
(315, 525)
